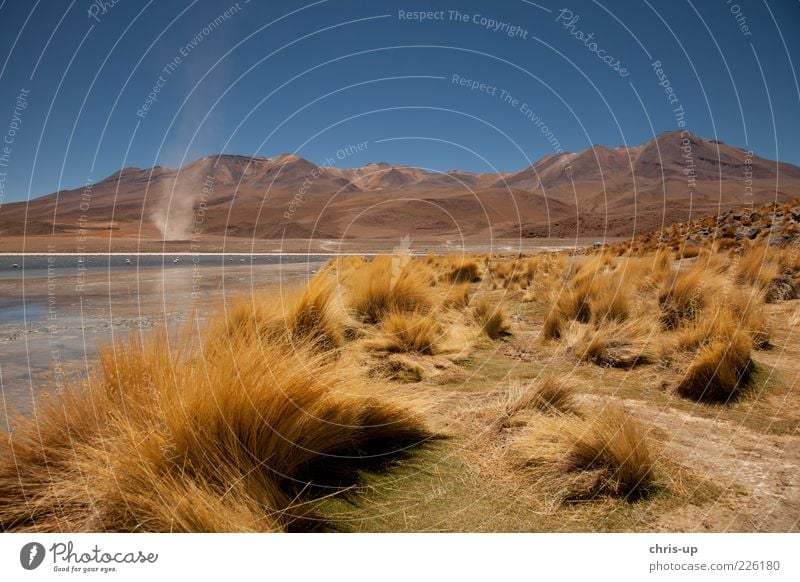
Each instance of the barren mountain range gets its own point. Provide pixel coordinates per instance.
(597, 192)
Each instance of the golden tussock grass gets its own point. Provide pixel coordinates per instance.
(313, 315)
(388, 284)
(771, 270)
(521, 272)
(573, 302)
(249, 425)
(646, 273)
(685, 294)
(712, 263)
(412, 368)
(748, 309)
(610, 301)
(689, 251)
(758, 267)
(457, 296)
(547, 396)
(466, 271)
(491, 317)
(554, 324)
(619, 344)
(596, 290)
(409, 332)
(586, 457)
(720, 371)
(732, 310)
(616, 444)
(232, 437)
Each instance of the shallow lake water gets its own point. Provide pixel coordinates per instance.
(55, 311)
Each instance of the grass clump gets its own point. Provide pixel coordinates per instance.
(410, 333)
(610, 302)
(546, 396)
(227, 434)
(388, 284)
(457, 297)
(580, 458)
(720, 370)
(615, 444)
(772, 271)
(685, 295)
(491, 318)
(312, 316)
(464, 272)
(618, 345)
(758, 267)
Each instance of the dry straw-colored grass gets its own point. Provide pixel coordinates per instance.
(491, 317)
(686, 294)
(545, 396)
(619, 344)
(616, 444)
(597, 290)
(246, 426)
(313, 315)
(457, 296)
(409, 332)
(236, 434)
(582, 458)
(388, 284)
(721, 369)
(466, 271)
(773, 271)
(758, 267)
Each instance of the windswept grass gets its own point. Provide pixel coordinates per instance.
(211, 438)
(410, 333)
(314, 315)
(389, 284)
(720, 371)
(611, 301)
(290, 399)
(582, 458)
(491, 318)
(597, 290)
(772, 271)
(758, 267)
(545, 396)
(457, 297)
(615, 444)
(685, 294)
(466, 271)
(619, 345)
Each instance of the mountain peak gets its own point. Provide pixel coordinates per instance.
(257, 197)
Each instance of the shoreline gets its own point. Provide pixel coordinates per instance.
(50, 327)
(128, 245)
(181, 254)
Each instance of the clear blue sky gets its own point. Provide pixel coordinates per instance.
(272, 77)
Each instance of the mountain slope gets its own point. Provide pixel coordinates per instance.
(598, 191)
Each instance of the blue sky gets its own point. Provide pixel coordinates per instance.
(315, 78)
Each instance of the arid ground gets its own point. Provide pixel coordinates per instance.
(644, 387)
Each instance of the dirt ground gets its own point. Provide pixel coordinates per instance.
(725, 468)
(731, 467)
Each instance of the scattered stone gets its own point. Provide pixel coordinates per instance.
(782, 289)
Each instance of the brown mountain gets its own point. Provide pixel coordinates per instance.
(598, 191)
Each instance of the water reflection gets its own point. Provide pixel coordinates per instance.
(54, 324)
